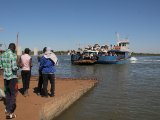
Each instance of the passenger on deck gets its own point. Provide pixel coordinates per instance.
(110, 53)
(114, 54)
(106, 54)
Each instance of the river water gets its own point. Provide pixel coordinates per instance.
(125, 92)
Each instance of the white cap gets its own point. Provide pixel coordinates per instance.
(48, 49)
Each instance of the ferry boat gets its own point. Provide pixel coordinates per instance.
(116, 55)
(84, 57)
(96, 54)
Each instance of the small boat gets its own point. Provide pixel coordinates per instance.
(87, 57)
(116, 55)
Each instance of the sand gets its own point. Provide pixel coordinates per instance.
(36, 107)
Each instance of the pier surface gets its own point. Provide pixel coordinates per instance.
(34, 107)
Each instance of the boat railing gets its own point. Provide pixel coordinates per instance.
(117, 47)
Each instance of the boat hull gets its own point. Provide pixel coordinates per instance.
(120, 58)
(84, 62)
(107, 60)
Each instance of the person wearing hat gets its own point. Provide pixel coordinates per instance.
(47, 67)
(26, 63)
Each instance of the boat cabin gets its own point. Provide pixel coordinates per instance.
(122, 46)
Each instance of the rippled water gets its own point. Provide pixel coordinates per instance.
(125, 92)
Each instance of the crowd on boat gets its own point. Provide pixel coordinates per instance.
(92, 52)
(96, 52)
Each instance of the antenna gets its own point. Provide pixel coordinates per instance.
(127, 39)
(118, 37)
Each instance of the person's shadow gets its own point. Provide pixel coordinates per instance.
(2, 96)
(36, 91)
(21, 91)
(3, 100)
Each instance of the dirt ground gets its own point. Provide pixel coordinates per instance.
(28, 108)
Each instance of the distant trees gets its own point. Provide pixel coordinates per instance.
(67, 51)
(144, 54)
(56, 52)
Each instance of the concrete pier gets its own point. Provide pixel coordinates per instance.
(36, 107)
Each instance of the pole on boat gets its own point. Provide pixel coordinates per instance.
(118, 37)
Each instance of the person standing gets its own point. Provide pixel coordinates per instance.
(25, 63)
(8, 62)
(40, 80)
(47, 67)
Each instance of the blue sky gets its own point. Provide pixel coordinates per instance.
(66, 24)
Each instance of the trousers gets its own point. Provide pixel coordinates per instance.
(26, 74)
(11, 91)
(51, 78)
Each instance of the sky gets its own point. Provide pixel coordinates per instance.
(69, 24)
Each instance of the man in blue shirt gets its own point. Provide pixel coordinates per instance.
(47, 67)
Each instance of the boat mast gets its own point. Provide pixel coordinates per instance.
(118, 37)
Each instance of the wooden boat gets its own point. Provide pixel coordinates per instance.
(87, 57)
(84, 62)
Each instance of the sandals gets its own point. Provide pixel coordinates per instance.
(10, 116)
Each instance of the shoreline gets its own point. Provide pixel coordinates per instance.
(34, 107)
